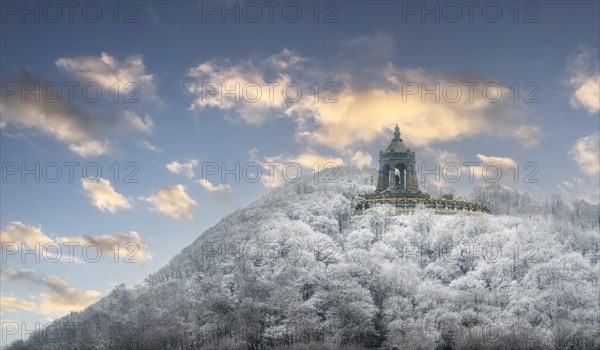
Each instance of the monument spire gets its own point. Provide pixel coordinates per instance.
(397, 133)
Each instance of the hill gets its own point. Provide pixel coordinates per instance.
(297, 270)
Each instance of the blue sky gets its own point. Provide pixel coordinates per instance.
(371, 53)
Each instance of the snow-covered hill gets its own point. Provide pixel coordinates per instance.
(297, 270)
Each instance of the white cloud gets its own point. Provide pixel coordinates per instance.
(60, 298)
(504, 162)
(135, 122)
(579, 188)
(17, 232)
(281, 168)
(174, 202)
(449, 165)
(106, 70)
(273, 174)
(382, 98)
(362, 159)
(130, 245)
(59, 119)
(317, 161)
(90, 148)
(10, 303)
(379, 47)
(221, 191)
(255, 99)
(452, 171)
(423, 121)
(186, 168)
(586, 152)
(585, 81)
(149, 146)
(16, 236)
(495, 169)
(104, 196)
(527, 135)
(587, 95)
(285, 59)
(82, 130)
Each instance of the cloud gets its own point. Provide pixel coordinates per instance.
(503, 162)
(285, 59)
(585, 81)
(17, 232)
(527, 135)
(279, 169)
(149, 146)
(106, 70)
(376, 49)
(586, 152)
(59, 299)
(489, 169)
(186, 168)
(13, 274)
(587, 95)
(451, 170)
(496, 170)
(62, 298)
(256, 97)
(17, 236)
(462, 106)
(85, 131)
(104, 197)
(221, 191)
(174, 202)
(423, 120)
(362, 159)
(60, 120)
(9, 303)
(135, 122)
(311, 159)
(580, 188)
(130, 245)
(450, 167)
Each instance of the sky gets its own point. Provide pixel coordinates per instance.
(127, 129)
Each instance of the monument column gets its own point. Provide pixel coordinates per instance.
(392, 178)
(381, 180)
(402, 175)
(411, 179)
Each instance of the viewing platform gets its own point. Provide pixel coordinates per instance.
(408, 204)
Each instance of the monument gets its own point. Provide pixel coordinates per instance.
(397, 169)
(397, 184)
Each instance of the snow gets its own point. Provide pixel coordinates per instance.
(296, 268)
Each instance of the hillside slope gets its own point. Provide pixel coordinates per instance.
(296, 269)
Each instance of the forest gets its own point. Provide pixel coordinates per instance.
(298, 269)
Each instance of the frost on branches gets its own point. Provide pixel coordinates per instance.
(298, 270)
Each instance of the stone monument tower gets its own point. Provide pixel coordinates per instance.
(397, 185)
(397, 173)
